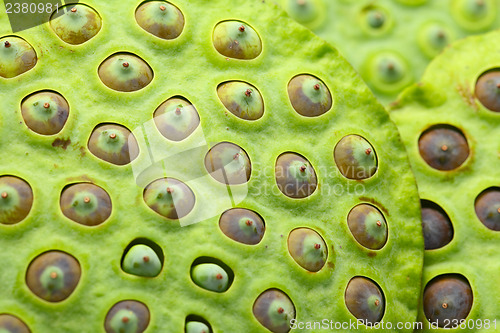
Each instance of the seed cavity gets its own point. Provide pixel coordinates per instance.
(211, 274)
(53, 275)
(160, 18)
(113, 143)
(432, 141)
(12, 324)
(143, 257)
(127, 316)
(353, 161)
(16, 57)
(274, 310)
(308, 249)
(436, 225)
(241, 99)
(16, 199)
(176, 118)
(488, 89)
(228, 163)
(242, 225)
(295, 176)
(230, 41)
(125, 72)
(368, 226)
(309, 96)
(447, 298)
(77, 25)
(487, 206)
(45, 112)
(169, 197)
(365, 300)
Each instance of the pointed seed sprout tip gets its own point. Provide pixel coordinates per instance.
(444, 147)
(242, 28)
(162, 8)
(86, 199)
(46, 105)
(377, 302)
(112, 135)
(7, 44)
(445, 305)
(219, 276)
(249, 223)
(53, 275)
(145, 258)
(73, 10)
(379, 223)
(5, 195)
(316, 86)
(281, 310)
(125, 64)
(368, 151)
(248, 92)
(317, 246)
(125, 319)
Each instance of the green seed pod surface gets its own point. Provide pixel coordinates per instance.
(16, 56)
(77, 25)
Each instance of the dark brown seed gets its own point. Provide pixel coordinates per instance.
(447, 298)
(126, 315)
(228, 164)
(85, 203)
(488, 90)
(160, 18)
(113, 143)
(242, 225)
(169, 197)
(125, 72)
(45, 112)
(308, 249)
(443, 147)
(436, 225)
(355, 157)
(295, 176)
(309, 96)
(274, 310)
(12, 324)
(368, 226)
(365, 300)
(176, 119)
(16, 199)
(53, 275)
(487, 207)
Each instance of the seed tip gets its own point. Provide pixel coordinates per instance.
(379, 223)
(46, 105)
(5, 195)
(112, 136)
(444, 147)
(249, 222)
(53, 275)
(7, 44)
(317, 246)
(86, 199)
(162, 8)
(248, 92)
(145, 258)
(281, 310)
(368, 151)
(178, 111)
(377, 302)
(125, 319)
(219, 276)
(445, 305)
(73, 9)
(316, 86)
(125, 64)
(242, 28)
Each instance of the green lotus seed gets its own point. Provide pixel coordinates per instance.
(45, 112)
(447, 298)
(142, 260)
(211, 277)
(488, 90)
(242, 225)
(487, 208)
(236, 39)
(295, 176)
(241, 99)
(308, 249)
(16, 56)
(443, 147)
(12, 324)
(309, 96)
(77, 25)
(197, 327)
(85, 203)
(160, 18)
(274, 310)
(474, 15)
(113, 143)
(436, 225)
(127, 317)
(365, 300)
(433, 38)
(228, 164)
(387, 72)
(176, 119)
(125, 72)
(310, 13)
(169, 197)
(53, 275)
(355, 157)
(368, 226)
(16, 199)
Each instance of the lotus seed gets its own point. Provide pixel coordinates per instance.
(228, 164)
(113, 143)
(211, 277)
(487, 208)
(176, 119)
(12, 324)
(16, 57)
(241, 99)
(165, 23)
(169, 197)
(488, 90)
(45, 112)
(127, 317)
(242, 225)
(17, 199)
(308, 249)
(365, 300)
(355, 157)
(232, 41)
(436, 225)
(274, 310)
(368, 226)
(197, 327)
(309, 96)
(125, 72)
(142, 260)
(295, 176)
(78, 26)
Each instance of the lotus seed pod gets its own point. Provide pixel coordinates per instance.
(16, 199)
(77, 25)
(368, 226)
(274, 310)
(388, 72)
(236, 39)
(142, 260)
(436, 225)
(176, 119)
(241, 99)
(488, 208)
(113, 143)
(355, 157)
(169, 197)
(197, 327)
(488, 90)
(443, 147)
(447, 298)
(295, 176)
(242, 225)
(228, 164)
(309, 96)
(308, 249)
(433, 38)
(16, 56)
(45, 112)
(127, 317)
(365, 300)
(125, 72)
(12, 324)
(474, 15)
(160, 18)
(53, 275)
(85, 203)
(211, 277)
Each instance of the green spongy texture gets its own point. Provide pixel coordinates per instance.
(343, 25)
(473, 251)
(189, 66)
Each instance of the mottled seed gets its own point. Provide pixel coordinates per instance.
(307, 248)
(85, 203)
(169, 197)
(113, 143)
(127, 317)
(242, 225)
(16, 56)
(210, 276)
(365, 300)
(228, 164)
(295, 176)
(125, 72)
(160, 18)
(176, 119)
(355, 157)
(487, 207)
(488, 90)
(368, 226)
(236, 39)
(142, 260)
(45, 112)
(12, 324)
(16, 199)
(309, 96)
(77, 25)
(241, 99)
(274, 310)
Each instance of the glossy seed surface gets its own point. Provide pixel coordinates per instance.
(274, 310)
(160, 18)
(309, 96)
(368, 226)
(488, 90)
(436, 225)
(487, 208)
(78, 24)
(113, 143)
(228, 163)
(295, 176)
(443, 147)
(176, 119)
(16, 199)
(236, 39)
(308, 249)
(365, 300)
(86, 203)
(241, 99)
(355, 157)
(242, 225)
(45, 112)
(17, 56)
(127, 317)
(125, 72)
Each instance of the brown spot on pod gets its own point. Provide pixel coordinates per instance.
(242, 225)
(113, 143)
(16, 56)
(307, 248)
(365, 300)
(12, 324)
(85, 203)
(309, 96)
(45, 112)
(295, 176)
(436, 225)
(160, 18)
(125, 72)
(127, 316)
(176, 118)
(488, 89)
(274, 310)
(487, 207)
(16, 199)
(169, 197)
(76, 26)
(228, 164)
(355, 157)
(368, 226)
